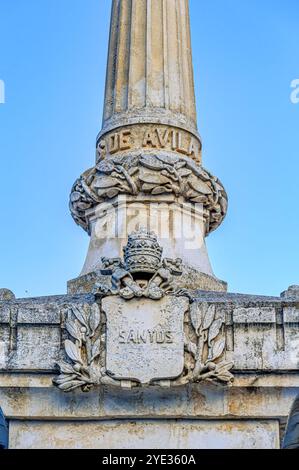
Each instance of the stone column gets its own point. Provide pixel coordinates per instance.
(149, 71)
(148, 154)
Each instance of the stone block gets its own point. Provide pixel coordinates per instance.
(140, 434)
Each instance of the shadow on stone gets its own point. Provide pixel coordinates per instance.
(3, 432)
(291, 440)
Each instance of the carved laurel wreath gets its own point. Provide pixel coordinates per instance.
(208, 351)
(149, 174)
(84, 367)
(83, 349)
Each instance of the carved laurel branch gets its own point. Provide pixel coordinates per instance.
(209, 351)
(150, 174)
(82, 349)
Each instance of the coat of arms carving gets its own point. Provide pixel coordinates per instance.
(140, 331)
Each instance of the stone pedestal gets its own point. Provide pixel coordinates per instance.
(262, 340)
(180, 225)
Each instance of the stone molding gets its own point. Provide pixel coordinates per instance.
(130, 139)
(150, 175)
(190, 279)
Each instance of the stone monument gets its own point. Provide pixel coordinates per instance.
(147, 349)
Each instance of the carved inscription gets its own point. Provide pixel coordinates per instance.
(155, 336)
(145, 340)
(149, 137)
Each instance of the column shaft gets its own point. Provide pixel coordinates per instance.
(150, 72)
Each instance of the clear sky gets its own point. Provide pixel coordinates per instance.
(53, 60)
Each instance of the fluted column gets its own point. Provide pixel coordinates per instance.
(150, 77)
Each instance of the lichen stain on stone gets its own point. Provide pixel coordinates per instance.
(198, 399)
(17, 399)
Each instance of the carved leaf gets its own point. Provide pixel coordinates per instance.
(105, 167)
(106, 182)
(152, 163)
(73, 330)
(191, 348)
(224, 366)
(73, 351)
(65, 368)
(199, 186)
(181, 165)
(199, 199)
(65, 378)
(148, 187)
(215, 329)
(75, 196)
(196, 316)
(208, 317)
(161, 190)
(223, 204)
(95, 318)
(112, 192)
(218, 348)
(184, 172)
(82, 206)
(96, 349)
(168, 159)
(79, 315)
(225, 377)
(154, 178)
(72, 385)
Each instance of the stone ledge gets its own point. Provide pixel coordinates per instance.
(254, 380)
(191, 279)
(158, 434)
(262, 332)
(193, 402)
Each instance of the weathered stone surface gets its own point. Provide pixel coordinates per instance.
(254, 315)
(148, 161)
(36, 349)
(291, 292)
(6, 294)
(291, 314)
(291, 438)
(150, 72)
(269, 396)
(132, 138)
(190, 279)
(171, 434)
(145, 340)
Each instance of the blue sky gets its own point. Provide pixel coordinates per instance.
(53, 60)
